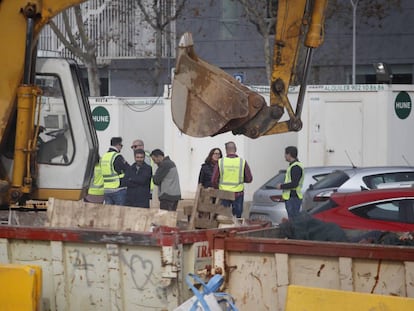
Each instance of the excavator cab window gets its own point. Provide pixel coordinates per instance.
(55, 141)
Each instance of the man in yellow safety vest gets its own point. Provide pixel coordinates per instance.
(114, 166)
(96, 187)
(230, 174)
(292, 187)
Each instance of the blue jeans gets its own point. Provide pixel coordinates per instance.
(237, 205)
(293, 207)
(115, 198)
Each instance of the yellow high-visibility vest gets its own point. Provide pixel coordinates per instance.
(97, 184)
(112, 179)
(231, 174)
(288, 179)
(153, 168)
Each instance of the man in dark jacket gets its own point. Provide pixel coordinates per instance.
(166, 178)
(138, 180)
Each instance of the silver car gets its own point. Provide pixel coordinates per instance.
(356, 179)
(267, 201)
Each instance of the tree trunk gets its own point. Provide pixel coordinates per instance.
(89, 59)
(267, 56)
(93, 78)
(158, 59)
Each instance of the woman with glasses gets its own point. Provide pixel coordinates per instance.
(206, 171)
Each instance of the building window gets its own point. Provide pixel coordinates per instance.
(230, 19)
(104, 87)
(399, 78)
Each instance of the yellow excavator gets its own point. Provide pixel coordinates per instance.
(207, 101)
(48, 145)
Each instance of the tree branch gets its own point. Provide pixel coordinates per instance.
(68, 28)
(154, 18)
(81, 27)
(147, 16)
(74, 49)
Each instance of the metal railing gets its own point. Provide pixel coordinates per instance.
(117, 28)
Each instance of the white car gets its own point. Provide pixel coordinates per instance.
(357, 179)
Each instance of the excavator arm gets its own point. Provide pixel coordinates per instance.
(207, 101)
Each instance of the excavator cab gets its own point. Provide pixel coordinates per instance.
(46, 132)
(207, 101)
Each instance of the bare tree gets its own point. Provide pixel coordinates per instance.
(80, 45)
(262, 14)
(370, 12)
(159, 15)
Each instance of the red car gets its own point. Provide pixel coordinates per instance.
(381, 209)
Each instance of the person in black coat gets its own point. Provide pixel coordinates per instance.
(138, 180)
(206, 171)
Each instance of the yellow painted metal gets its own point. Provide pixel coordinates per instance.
(20, 287)
(286, 50)
(13, 28)
(64, 194)
(288, 31)
(27, 97)
(301, 298)
(315, 35)
(13, 36)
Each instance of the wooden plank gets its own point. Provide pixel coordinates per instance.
(216, 193)
(209, 192)
(215, 209)
(205, 223)
(208, 201)
(194, 212)
(79, 214)
(204, 220)
(225, 195)
(188, 209)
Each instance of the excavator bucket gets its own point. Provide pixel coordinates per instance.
(206, 100)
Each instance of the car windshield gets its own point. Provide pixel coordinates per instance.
(374, 180)
(319, 177)
(333, 180)
(278, 179)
